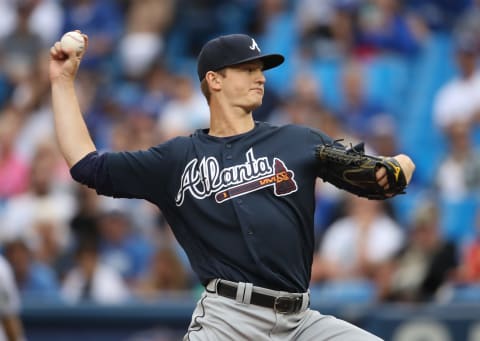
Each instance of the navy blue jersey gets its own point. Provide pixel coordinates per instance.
(242, 207)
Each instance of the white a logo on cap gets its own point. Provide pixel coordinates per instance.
(254, 45)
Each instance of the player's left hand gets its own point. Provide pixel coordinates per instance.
(408, 168)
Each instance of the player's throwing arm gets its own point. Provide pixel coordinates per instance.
(71, 131)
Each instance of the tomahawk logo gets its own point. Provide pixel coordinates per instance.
(204, 178)
(254, 46)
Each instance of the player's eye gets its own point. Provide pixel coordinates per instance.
(250, 68)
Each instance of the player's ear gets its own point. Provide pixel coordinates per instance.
(213, 80)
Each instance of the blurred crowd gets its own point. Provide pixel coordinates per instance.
(401, 76)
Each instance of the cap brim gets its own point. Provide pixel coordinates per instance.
(269, 60)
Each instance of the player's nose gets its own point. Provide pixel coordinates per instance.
(260, 77)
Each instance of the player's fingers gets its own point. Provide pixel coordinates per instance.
(85, 39)
(60, 50)
(58, 47)
(69, 52)
(57, 52)
(383, 183)
(380, 173)
(86, 42)
(64, 52)
(54, 53)
(381, 176)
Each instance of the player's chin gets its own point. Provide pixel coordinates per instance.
(251, 103)
(254, 106)
(256, 101)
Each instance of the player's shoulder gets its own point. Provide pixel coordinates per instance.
(306, 133)
(298, 133)
(176, 144)
(286, 128)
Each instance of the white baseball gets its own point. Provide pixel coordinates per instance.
(73, 41)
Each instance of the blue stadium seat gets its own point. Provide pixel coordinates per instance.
(432, 68)
(464, 294)
(342, 292)
(457, 219)
(404, 205)
(282, 26)
(328, 74)
(387, 81)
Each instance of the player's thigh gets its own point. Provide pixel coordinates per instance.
(316, 326)
(219, 318)
(202, 327)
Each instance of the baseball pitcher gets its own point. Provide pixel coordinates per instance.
(238, 195)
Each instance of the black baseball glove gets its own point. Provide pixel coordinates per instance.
(354, 171)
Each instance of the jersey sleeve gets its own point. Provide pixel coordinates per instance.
(135, 174)
(139, 174)
(316, 138)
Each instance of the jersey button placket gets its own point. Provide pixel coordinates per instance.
(228, 152)
(238, 202)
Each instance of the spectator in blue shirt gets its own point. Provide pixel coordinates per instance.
(122, 248)
(35, 280)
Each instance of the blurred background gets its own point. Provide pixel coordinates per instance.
(400, 75)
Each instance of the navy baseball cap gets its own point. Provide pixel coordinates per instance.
(233, 49)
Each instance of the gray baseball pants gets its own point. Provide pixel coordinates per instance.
(220, 318)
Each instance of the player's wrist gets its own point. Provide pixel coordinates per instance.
(63, 82)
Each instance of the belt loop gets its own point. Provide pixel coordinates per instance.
(305, 300)
(248, 293)
(240, 292)
(212, 286)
